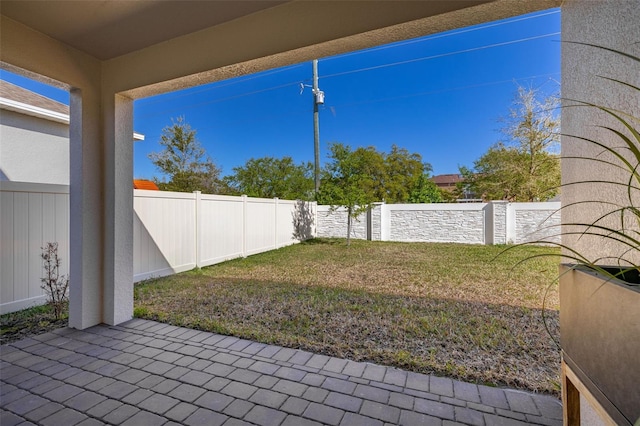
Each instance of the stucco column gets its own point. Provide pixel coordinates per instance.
(86, 208)
(502, 230)
(118, 200)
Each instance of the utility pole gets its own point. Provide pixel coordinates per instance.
(318, 98)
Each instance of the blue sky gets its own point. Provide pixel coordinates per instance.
(441, 96)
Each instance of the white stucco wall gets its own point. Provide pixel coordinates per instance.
(612, 24)
(33, 149)
(537, 225)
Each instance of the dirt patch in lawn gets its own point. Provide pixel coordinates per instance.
(29, 322)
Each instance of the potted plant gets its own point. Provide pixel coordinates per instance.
(600, 297)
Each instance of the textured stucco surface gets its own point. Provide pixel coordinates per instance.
(33, 149)
(537, 225)
(613, 24)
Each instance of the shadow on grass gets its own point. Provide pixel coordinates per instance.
(325, 241)
(477, 342)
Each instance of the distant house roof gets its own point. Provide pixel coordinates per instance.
(19, 99)
(447, 180)
(145, 184)
(19, 94)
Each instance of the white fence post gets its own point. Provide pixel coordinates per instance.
(510, 221)
(198, 229)
(275, 223)
(244, 225)
(385, 224)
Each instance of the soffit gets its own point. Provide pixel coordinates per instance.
(106, 29)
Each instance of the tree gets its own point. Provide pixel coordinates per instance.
(349, 180)
(526, 167)
(184, 161)
(425, 191)
(403, 174)
(270, 177)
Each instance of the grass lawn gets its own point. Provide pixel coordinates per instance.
(448, 309)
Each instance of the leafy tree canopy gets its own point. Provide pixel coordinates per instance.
(354, 179)
(404, 174)
(184, 161)
(270, 177)
(426, 191)
(525, 167)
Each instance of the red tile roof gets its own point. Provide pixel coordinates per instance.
(145, 184)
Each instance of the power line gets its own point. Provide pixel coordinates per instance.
(211, 86)
(305, 112)
(442, 55)
(354, 71)
(437, 36)
(296, 83)
(452, 89)
(375, 49)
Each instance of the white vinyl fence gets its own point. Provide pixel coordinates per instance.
(173, 232)
(30, 215)
(496, 222)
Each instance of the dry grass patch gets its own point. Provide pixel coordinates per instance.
(447, 309)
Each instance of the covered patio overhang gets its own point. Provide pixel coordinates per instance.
(107, 54)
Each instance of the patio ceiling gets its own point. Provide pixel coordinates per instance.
(108, 29)
(152, 46)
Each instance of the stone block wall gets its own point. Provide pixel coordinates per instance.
(497, 222)
(376, 222)
(333, 224)
(446, 225)
(500, 222)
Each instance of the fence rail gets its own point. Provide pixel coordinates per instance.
(172, 232)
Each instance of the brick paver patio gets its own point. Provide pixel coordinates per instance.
(149, 373)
